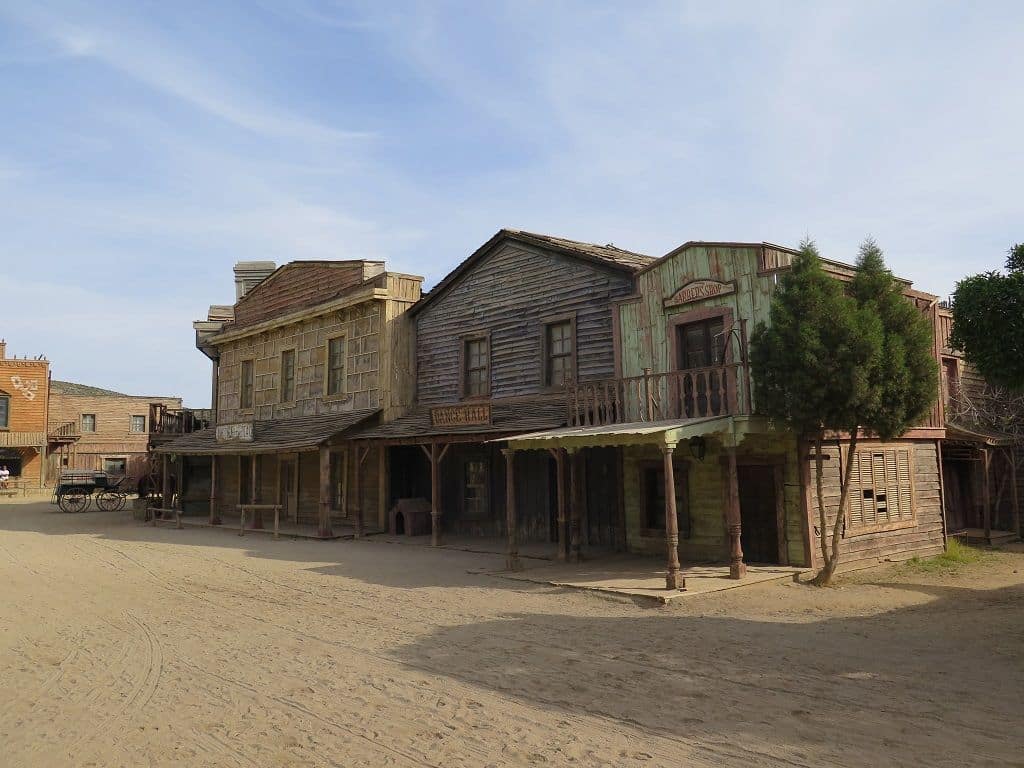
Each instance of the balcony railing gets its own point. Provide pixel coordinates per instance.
(672, 395)
(64, 432)
(173, 421)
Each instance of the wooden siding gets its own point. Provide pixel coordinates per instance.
(510, 294)
(923, 538)
(26, 383)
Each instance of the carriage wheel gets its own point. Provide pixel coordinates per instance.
(109, 501)
(73, 501)
(122, 500)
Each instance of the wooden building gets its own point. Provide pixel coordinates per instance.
(99, 429)
(496, 341)
(305, 354)
(707, 479)
(24, 399)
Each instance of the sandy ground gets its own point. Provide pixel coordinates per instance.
(124, 645)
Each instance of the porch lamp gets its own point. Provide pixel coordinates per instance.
(698, 448)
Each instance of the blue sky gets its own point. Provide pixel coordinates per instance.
(145, 147)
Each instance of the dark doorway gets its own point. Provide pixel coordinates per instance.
(602, 489)
(758, 514)
(12, 461)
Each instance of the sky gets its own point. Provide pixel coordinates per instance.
(145, 147)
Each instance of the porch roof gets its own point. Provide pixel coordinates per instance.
(974, 433)
(732, 428)
(303, 433)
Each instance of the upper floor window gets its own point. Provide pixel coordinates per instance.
(476, 367)
(336, 366)
(287, 375)
(559, 353)
(247, 384)
(88, 422)
(5, 411)
(138, 424)
(701, 344)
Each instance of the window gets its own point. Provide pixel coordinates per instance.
(338, 495)
(881, 489)
(559, 353)
(476, 366)
(115, 466)
(5, 411)
(287, 375)
(138, 424)
(652, 498)
(701, 345)
(336, 366)
(474, 496)
(88, 422)
(247, 384)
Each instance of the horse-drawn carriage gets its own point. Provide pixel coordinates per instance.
(76, 489)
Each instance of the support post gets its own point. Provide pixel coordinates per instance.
(382, 488)
(165, 482)
(674, 574)
(986, 461)
(563, 532)
(357, 504)
(737, 568)
(435, 495)
(254, 496)
(180, 482)
(324, 521)
(512, 562)
(1011, 456)
(277, 521)
(214, 516)
(574, 507)
(42, 466)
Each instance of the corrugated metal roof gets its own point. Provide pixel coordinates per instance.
(273, 436)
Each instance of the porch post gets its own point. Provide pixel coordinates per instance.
(324, 521)
(737, 568)
(574, 506)
(42, 465)
(357, 505)
(563, 534)
(435, 495)
(214, 517)
(257, 514)
(165, 482)
(986, 515)
(1014, 493)
(180, 475)
(674, 575)
(512, 553)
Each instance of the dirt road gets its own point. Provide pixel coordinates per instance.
(127, 645)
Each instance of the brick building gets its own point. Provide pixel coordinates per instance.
(112, 428)
(23, 404)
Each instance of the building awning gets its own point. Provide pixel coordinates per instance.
(526, 416)
(733, 429)
(974, 433)
(303, 433)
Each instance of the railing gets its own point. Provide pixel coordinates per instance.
(690, 394)
(170, 421)
(65, 431)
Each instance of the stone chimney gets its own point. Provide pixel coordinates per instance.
(249, 274)
(3, 349)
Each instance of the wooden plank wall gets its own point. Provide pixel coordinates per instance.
(923, 539)
(509, 294)
(29, 404)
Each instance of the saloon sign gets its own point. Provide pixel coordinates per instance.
(698, 290)
(235, 433)
(460, 415)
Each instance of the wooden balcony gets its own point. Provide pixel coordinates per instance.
(64, 432)
(172, 421)
(722, 390)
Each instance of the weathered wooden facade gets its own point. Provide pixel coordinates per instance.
(706, 478)
(496, 342)
(24, 400)
(305, 355)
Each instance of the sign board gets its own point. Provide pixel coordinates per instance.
(235, 433)
(698, 290)
(460, 415)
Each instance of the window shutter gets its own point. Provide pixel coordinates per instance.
(857, 491)
(903, 479)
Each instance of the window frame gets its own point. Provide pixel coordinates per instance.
(681, 476)
(251, 363)
(6, 425)
(464, 341)
(852, 529)
(131, 424)
(547, 323)
(328, 379)
(483, 512)
(705, 314)
(294, 378)
(81, 424)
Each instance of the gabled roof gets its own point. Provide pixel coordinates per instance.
(608, 256)
(82, 390)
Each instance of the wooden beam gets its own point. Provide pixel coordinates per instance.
(512, 551)
(1011, 457)
(435, 495)
(987, 495)
(674, 574)
(737, 568)
(563, 531)
(574, 507)
(324, 519)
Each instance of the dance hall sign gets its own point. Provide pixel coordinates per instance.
(698, 290)
(461, 415)
(235, 433)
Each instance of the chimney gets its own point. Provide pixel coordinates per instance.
(249, 274)
(3, 349)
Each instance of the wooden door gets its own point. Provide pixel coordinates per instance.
(758, 514)
(289, 490)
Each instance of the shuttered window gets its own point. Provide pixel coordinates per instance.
(881, 491)
(336, 366)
